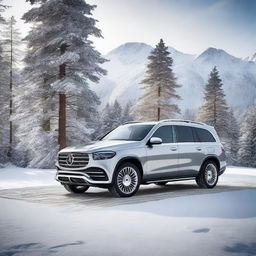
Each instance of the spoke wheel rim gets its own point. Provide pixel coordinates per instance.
(211, 174)
(127, 180)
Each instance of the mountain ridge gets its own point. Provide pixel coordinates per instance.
(127, 64)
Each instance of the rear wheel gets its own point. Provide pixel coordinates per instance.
(76, 188)
(126, 180)
(208, 176)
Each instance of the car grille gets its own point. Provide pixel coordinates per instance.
(73, 160)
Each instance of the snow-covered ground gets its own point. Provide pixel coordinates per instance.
(17, 177)
(175, 220)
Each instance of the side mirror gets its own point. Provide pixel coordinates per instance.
(155, 141)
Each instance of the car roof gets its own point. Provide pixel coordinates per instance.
(174, 122)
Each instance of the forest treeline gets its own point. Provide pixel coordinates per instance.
(46, 102)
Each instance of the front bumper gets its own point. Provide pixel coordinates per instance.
(88, 176)
(96, 172)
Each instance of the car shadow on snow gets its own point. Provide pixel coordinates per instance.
(220, 202)
(180, 193)
(35, 249)
(242, 248)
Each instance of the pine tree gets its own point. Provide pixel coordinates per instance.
(158, 88)
(4, 96)
(107, 120)
(189, 114)
(112, 117)
(127, 113)
(116, 114)
(247, 142)
(58, 103)
(214, 110)
(11, 43)
(231, 141)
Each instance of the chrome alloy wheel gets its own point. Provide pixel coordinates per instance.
(127, 180)
(211, 174)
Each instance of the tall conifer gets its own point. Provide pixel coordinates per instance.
(158, 88)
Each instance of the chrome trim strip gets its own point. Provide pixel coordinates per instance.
(176, 179)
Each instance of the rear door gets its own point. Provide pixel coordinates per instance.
(190, 151)
(162, 159)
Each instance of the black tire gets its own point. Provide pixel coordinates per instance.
(163, 183)
(203, 180)
(120, 179)
(76, 189)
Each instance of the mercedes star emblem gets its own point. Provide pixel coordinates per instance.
(70, 159)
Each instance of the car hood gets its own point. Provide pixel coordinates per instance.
(101, 145)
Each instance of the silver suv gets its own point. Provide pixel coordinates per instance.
(143, 153)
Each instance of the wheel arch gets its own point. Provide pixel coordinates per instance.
(211, 158)
(130, 159)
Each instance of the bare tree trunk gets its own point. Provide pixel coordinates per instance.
(47, 124)
(62, 105)
(158, 109)
(214, 110)
(62, 120)
(10, 104)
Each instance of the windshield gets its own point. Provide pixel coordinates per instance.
(129, 132)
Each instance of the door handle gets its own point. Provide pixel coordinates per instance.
(199, 149)
(173, 148)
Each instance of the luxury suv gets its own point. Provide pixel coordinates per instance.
(143, 153)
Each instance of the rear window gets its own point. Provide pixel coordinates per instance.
(184, 134)
(204, 135)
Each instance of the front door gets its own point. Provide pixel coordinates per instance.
(162, 159)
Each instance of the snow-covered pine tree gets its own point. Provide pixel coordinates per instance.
(116, 113)
(12, 47)
(189, 114)
(106, 124)
(214, 110)
(4, 96)
(112, 117)
(127, 113)
(69, 49)
(82, 119)
(231, 141)
(247, 142)
(59, 62)
(158, 88)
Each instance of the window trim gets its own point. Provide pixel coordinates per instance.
(176, 134)
(173, 134)
(199, 140)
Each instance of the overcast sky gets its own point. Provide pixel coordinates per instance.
(190, 26)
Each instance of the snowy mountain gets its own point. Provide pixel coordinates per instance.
(127, 63)
(251, 58)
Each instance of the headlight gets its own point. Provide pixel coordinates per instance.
(103, 155)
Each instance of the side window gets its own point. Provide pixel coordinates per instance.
(204, 135)
(184, 134)
(165, 133)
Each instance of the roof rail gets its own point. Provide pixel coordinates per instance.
(181, 120)
(131, 122)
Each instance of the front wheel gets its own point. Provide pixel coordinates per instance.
(126, 180)
(76, 189)
(208, 176)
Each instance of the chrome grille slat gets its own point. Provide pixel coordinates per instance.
(79, 160)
